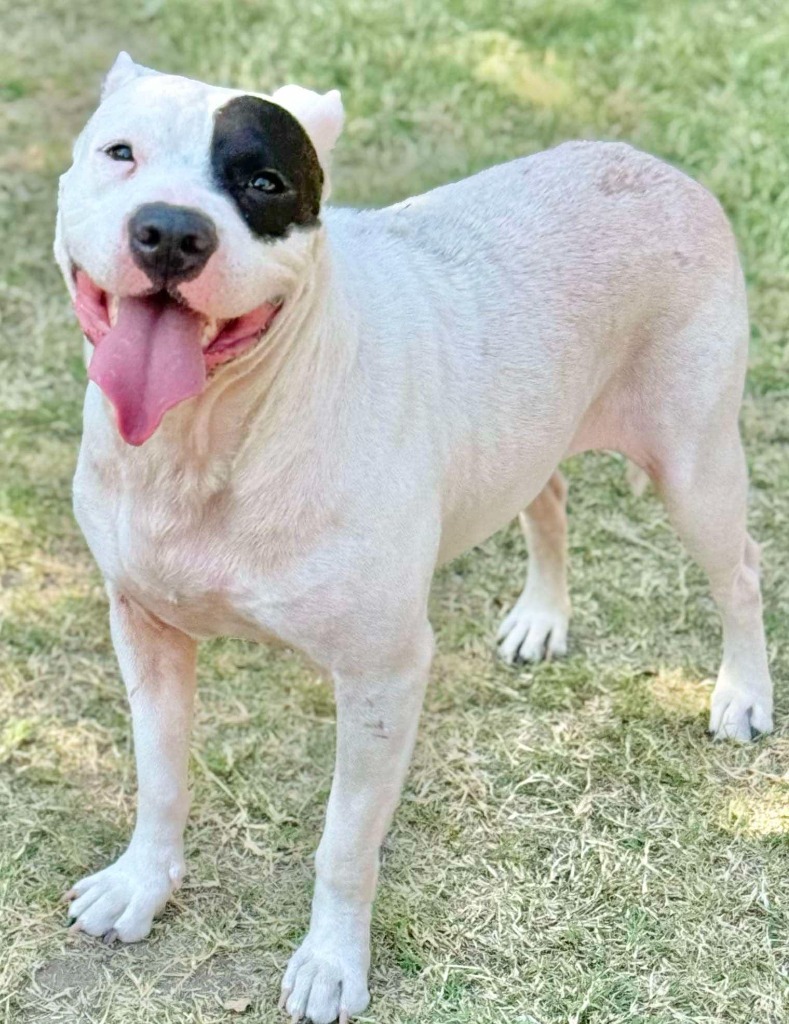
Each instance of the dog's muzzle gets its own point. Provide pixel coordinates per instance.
(171, 244)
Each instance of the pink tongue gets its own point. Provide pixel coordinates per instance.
(148, 362)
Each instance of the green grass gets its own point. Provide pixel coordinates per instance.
(570, 846)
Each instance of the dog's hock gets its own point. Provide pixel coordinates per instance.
(123, 71)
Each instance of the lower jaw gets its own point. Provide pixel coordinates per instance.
(226, 354)
(218, 351)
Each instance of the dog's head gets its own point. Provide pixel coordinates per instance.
(185, 222)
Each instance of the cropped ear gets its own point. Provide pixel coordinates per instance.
(321, 115)
(123, 71)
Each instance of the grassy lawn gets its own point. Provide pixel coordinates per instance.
(570, 846)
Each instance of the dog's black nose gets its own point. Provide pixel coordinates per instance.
(171, 243)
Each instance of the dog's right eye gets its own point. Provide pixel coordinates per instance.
(120, 151)
(268, 182)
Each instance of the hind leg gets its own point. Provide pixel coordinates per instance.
(705, 493)
(536, 628)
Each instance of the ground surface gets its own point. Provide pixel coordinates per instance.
(571, 847)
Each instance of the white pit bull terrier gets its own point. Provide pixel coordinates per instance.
(295, 413)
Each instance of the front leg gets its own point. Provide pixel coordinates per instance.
(158, 667)
(377, 718)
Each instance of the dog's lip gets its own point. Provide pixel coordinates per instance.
(226, 338)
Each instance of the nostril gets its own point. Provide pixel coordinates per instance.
(148, 236)
(194, 245)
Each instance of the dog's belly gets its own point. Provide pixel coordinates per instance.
(482, 510)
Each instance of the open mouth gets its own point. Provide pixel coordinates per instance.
(153, 351)
(220, 340)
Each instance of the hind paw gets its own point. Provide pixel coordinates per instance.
(533, 631)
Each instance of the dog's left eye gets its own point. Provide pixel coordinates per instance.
(120, 151)
(268, 182)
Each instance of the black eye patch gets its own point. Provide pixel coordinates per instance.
(262, 157)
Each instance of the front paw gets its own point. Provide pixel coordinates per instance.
(325, 981)
(121, 901)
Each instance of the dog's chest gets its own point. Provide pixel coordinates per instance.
(193, 584)
(183, 559)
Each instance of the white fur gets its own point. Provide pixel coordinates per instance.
(431, 366)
